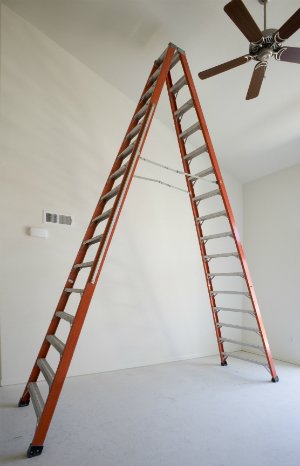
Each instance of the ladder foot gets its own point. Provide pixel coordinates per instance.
(34, 450)
(275, 379)
(224, 363)
(23, 403)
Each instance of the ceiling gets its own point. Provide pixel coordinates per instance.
(119, 39)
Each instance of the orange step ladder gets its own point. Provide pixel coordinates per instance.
(104, 221)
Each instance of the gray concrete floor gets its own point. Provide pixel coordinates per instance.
(187, 413)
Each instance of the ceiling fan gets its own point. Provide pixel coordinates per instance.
(263, 44)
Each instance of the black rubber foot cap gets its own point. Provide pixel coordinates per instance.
(34, 450)
(275, 379)
(21, 403)
(224, 363)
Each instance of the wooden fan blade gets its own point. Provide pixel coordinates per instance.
(241, 17)
(224, 67)
(290, 54)
(289, 27)
(256, 81)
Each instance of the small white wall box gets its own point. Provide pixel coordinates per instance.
(38, 232)
(59, 219)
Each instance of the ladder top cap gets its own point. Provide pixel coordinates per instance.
(176, 47)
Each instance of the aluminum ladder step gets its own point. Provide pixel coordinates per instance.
(226, 234)
(224, 254)
(175, 60)
(206, 172)
(93, 240)
(189, 131)
(56, 343)
(184, 108)
(155, 75)
(141, 112)
(225, 274)
(74, 290)
(204, 196)
(221, 213)
(110, 194)
(46, 370)
(235, 356)
(238, 327)
(195, 153)
(240, 293)
(161, 58)
(102, 217)
(83, 265)
(118, 172)
(148, 93)
(126, 151)
(65, 316)
(241, 343)
(36, 398)
(178, 85)
(231, 309)
(134, 131)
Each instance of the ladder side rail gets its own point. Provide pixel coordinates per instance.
(66, 358)
(129, 173)
(191, 191)
(230, 215)
(24, 400)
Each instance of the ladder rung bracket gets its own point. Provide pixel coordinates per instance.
(241, 343)
(178, 85)
(110, 194)
(219, 256)
(74, 290)
(46, 370)
(189, 131)
(83, 265)
(134, 131)
(126, 151)
(230, 309)
(65, 316)
(174, 61)
(141, 112)
(184, 108)
(240, 293)
(238, 327)
(93, 240)
(56, 343)
(195, 153)
(222, 213)
(206, 172)
(226, 234)
(118, 172)
(207, 195)
(103, 216)
(225, 274)
(235, 356)
(36, 398)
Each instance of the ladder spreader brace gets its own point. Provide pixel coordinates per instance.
(104, 221)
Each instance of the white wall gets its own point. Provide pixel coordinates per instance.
(63, 125)
(272, 233)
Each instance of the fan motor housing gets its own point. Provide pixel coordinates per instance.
(266, 48)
